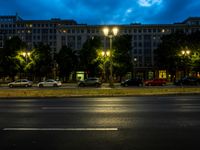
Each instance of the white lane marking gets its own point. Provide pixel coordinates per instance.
(60, 129)
(55, 108)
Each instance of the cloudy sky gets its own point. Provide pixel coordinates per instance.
(104, 11)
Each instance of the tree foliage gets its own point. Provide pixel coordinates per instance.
(121, 54)
(42, 64)
(88, 54)
(9, 64)
(168, 54)
(67, 61)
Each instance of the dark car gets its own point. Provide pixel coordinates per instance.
(92, 81)
(188, 81)
(132, 82)
(155, 82)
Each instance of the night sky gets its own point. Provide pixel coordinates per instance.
(104, 11)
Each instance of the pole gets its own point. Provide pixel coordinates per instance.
(110, 34)
(111, 67)
(104, 63)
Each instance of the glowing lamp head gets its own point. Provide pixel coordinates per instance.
(105, 31)
(108, 53)
(115, 31)
(102, 53)
(183, 52)
(187, 52)
(24, 54)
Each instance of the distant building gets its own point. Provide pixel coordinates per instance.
(56, 33)
(32, 31)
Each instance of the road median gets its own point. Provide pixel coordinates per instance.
(84, 92)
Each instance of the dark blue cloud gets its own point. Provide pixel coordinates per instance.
(104, 11)
(176, 11)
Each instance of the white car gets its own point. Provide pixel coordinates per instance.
(21, 83)
(49, 83)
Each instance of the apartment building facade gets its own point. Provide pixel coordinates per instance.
(56, 33)
(32, 31)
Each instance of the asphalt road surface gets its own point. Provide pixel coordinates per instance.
(106, 123)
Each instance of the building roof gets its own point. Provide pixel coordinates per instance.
(192, 20)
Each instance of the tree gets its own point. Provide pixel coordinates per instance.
(42, 64)
(67, 61)
(121, 55)
(168, 55)
(103, 61)
(88, 55)
(9, 63)
(194, 46)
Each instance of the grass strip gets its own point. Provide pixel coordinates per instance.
(22, 92)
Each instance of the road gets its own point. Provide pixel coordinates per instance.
(106, 123)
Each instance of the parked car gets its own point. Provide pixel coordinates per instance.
(155, 82)
(132, 82)
(20, 83)
(92, 81)
(188, 81)
(49, 83)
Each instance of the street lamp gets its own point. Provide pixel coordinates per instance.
(110, 33)
(134, 65)
(26, 55)
(55, 69)
(185, 54)
(105, 54)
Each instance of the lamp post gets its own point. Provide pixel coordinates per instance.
(26, 55)
(134, 65)
(55, 68)
(110, 33)
(105, 54)
(185, 54)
